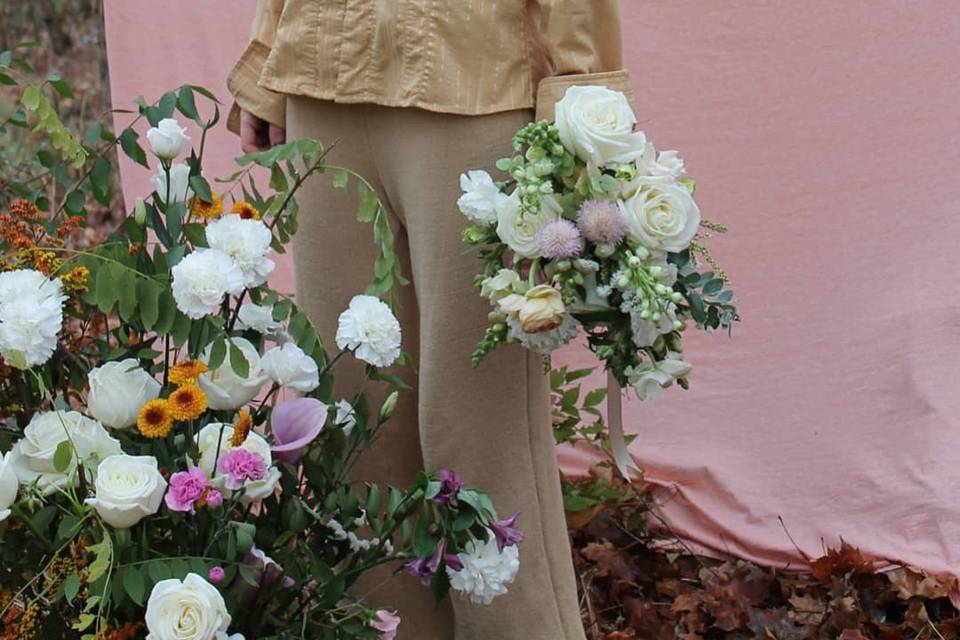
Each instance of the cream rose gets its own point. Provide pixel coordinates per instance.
(8, 486)
(540, 309)
(128, 489)
(661, 216)
(207, 444)
(519, 230)
(189, 610)
(224, 388)
(167, 139)
(32, 456)
(118, 390)
(596, 124)
(504, 283)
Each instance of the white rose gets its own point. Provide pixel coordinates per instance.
(207, 444)
(32, 456)
(31, 316)
(180, 190)
(661, 216)
(259, 318)
(596, 125)
(128, 489)
(8, 486)
(480, 197)
(519, 230)
(370, 329)
(225, 389)
(247, 242)
(189, 610)
(117, 392)
(290, 367)
(202, 279)
(167, 139)
(506, 281)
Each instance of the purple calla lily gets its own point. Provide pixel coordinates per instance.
(294, 424)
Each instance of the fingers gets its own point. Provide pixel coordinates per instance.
(252, 131)
(277, 135)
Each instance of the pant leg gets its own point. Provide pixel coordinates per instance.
(491, 424)
(333, 260)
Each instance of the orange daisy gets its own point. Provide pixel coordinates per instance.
(207, 210)
(188, 402)
(241, 428)
(245, 210)
(187, 372)
(155, 419)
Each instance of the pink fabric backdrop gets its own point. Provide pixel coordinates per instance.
(824, 133)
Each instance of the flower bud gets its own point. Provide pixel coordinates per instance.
(604, 251)
(140, 211)
(496, 316)
(623, 282)
(633, 261)
(645, 314)
(677, 325)
(388, 407)
(563, 265)
(473, 235)
(655, 270)
(578, 278)
(676, 296)
(656, 316)
(643, 253)
(673, 341)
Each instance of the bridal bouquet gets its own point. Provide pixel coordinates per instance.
(172, 461)
(593, 229)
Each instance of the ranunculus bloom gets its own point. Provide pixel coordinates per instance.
(8, 486)
(117, 392)
(189, 610)
(128, 489)
(506, 532)
(386, 622)
(596, 124)
(216, 574)
(295, 424)
(167, 139)
(450, 484)
(500, 285)
(540, 309)
(241, 466)
(290, 367)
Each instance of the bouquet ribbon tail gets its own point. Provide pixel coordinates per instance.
(618, 442)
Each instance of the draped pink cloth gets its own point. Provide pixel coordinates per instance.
(825, 135)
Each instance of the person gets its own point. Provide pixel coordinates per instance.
(416, 92)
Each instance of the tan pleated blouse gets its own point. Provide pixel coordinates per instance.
(452, 56)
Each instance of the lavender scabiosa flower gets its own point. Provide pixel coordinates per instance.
(506, 532)
(450, 483)
(560, 239)
(601, 222)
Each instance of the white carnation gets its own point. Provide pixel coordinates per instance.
(480, 198)
(31, 316)
(290, 367)
(259, 318)
(486, 571)
(247, 242)
(202, 279)
(545, 342)
(369, 328)
(180, 190)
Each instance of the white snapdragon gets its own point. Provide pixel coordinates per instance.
(31, 316)
(346, 416)
(369, 328)
(258, 318)
(202, 279)
(117, 392)
(649, 379)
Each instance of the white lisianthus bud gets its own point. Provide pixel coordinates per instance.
(180, 190)
(167, 139)
(290, 367)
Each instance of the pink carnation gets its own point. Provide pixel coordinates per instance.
(560, 239)
(601, 222)
(241, 466)
(186, 488)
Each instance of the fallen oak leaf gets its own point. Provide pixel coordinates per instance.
(840, 562)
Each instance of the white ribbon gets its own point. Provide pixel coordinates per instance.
(618, 443)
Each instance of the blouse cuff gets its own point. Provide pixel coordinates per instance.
(551, 89)
(248, 95)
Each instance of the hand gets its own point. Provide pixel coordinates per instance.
(259, 135)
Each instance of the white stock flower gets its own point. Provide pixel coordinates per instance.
(645, 332)
(8, 486)
(225, 389)
(346, 416)
(259, 318)
(661, 216)
(649, 379)
(519, 230)
(480, 197)
(127, 489)
(202, 279)
(254, 442)
(506, 281)
(180, 190)
(290, 367)
(247, 242)
(117, 392)
(596, 124)
(189, 610)
(167, 139)
(369, 328)
(545, 342)
(32, 456)
(31, 316)
(486, 571)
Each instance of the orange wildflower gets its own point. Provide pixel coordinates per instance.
(187, 372)
(207, 210)
(188, 402)
(155, 419)
(241, 428)
(245, 210)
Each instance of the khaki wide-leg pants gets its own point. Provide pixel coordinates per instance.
(491, 424)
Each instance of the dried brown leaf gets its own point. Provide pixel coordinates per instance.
(911, 582)
(840, 562)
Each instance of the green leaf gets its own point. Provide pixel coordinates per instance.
(196, 234)
(340, 179)
(238, 361)
(71, 586)
(75, 202)
(201, 187)
(713, 287)
(218, 353)
(130, 146)
(60, 85)
(187, 105)
(133, 584)
(30, 98)
(63, 456)
(148, 293)
(127, 294)
(246, 572)
(180, 330)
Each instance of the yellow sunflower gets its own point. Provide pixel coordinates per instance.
(187, 372)
(155, 418)
(188, 402)
(245, 210)
(207, 210)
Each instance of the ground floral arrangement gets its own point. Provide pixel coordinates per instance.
(172, 461)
